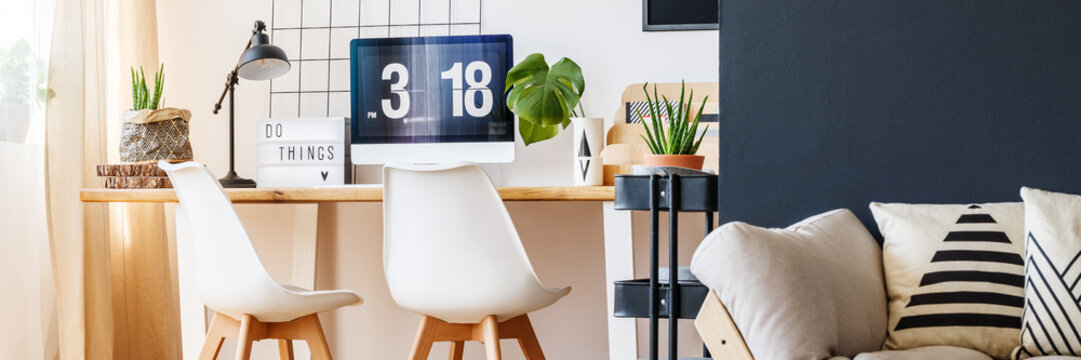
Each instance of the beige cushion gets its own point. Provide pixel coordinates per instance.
(810, 291)
(954, 275)
(926, 353)
(1052, 317)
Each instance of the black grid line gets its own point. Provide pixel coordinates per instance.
(309, 91)
(270, 101)
(330, 43)
(377, 26)
(319, 59)
(300, 69)
(305, 29)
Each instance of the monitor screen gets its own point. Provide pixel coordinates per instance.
(423, 90)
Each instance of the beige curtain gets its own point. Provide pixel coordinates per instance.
(75, 129)
(27, 308)
(93, 44)
(141, 258)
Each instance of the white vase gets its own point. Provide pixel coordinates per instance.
(588, 142)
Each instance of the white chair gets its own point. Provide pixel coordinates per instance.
(231, 280)
(451, 253)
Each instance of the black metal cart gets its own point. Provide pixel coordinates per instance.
(651, 298)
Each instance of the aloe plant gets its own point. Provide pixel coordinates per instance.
(141, 97)
(543, 97)
(679, 139)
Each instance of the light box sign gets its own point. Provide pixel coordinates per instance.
(431, 89)
(303, 152)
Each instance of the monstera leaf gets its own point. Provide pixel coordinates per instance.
(543, 97)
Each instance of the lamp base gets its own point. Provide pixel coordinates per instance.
(231, 180)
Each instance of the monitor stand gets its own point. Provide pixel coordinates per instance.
(368, 175)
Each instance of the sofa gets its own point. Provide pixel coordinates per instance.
(825, 288)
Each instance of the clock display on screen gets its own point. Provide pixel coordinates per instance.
(431, 89)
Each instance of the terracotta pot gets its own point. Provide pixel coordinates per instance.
(683, 161)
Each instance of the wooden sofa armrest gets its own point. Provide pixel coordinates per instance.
(719, 332)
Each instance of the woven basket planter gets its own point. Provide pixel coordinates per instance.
(151, 135)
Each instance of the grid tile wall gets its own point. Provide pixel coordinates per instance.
(315, 34)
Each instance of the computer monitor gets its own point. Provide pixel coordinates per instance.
(431, 99)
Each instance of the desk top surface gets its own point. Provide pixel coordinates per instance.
(345, 194)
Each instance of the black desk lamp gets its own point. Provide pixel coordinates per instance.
(260, 61)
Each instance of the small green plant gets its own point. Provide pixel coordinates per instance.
(140, 97)
(544, 98)
(680, 136)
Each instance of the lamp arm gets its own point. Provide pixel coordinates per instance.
(231, 80)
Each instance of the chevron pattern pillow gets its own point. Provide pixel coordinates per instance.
(1052, 317)
(954, 275)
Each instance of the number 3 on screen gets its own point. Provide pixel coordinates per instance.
(398, 89)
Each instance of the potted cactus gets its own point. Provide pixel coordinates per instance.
(673, 142)
(151, 132)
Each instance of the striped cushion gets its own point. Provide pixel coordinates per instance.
(1052, 318)
(954, 275)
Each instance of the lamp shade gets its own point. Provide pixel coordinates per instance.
(262, 61)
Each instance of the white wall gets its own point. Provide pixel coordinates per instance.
(605, 38)
(200, 39)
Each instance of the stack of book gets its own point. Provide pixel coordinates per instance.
(134, 176)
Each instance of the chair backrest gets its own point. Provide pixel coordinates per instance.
(228, 270)
(448, 241)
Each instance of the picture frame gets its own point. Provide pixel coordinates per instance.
(681, 15)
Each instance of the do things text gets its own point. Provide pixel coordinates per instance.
(305, 152)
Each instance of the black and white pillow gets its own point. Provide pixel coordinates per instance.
(1052, 317)
(954, 275)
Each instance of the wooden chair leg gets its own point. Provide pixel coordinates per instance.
(285, 349)
(457, 349)
(422, 345)
(215, 336)
(243, 344)
(314, 336)
(490, 333)
(527, 338)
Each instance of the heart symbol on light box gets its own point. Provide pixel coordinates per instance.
(324, 173)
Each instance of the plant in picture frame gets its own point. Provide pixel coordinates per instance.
(22, 75)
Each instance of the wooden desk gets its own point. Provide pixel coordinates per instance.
(618, 244)
(345, 194)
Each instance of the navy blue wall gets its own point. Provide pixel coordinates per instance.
(835, 103)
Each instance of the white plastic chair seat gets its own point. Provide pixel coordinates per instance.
(450, 249)
(300, 302)
(473, 310)
(229, 276)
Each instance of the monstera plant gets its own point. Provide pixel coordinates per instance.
(544, 98)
